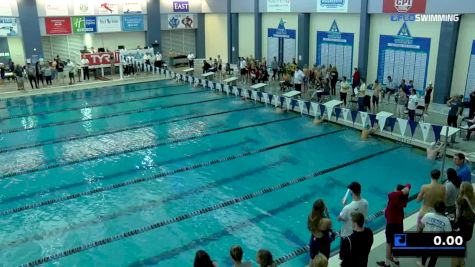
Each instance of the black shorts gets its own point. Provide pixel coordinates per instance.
(391, 230)
(243, 71)
(375, 99)
(319, 245)
(71, 75)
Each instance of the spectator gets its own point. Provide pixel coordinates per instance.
(202, 259)
(60, 69)
(356, 250)
(404, 87)
(236, 256)
(48, 73)
(275, 68)
(298, 78)
(356, 78)
(333, 80)
(85, 68)
(242, 66)
(471, 113)
(191, 59)
(264, 258)
(70, 69)
(40, 68)
(430, 194)
(158, 60)
(206, 66)
(412, 104)
(31, 71)
(463, 170)
(435, 222)
(358, 204)
(376, 93)
(455, 106)
(361, 92)
(20, 80)
(319, 225)
(452, 188)
(344, 89)
(319, 261)
(427, 97)
(401, 103)
(465, 216)
(394, 213)
(390, 87)
(470, 127)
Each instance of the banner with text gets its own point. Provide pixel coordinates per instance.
(181, 21)
(84, 24)
(56, 8)
(58, 25)
(133, 23)
(109, 24)
(470, 86)
(278, 5)
(8, 27)
(332, 6)
(132, 7)
(404, 6)
(96, 59)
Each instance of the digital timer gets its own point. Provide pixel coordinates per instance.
(427, 244)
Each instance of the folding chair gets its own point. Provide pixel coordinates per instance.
(420, 113)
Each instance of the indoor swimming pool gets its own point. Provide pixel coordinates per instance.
(146, 174)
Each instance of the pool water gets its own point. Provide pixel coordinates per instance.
(148, 173)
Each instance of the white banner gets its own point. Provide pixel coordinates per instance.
(181, 21)
(108, 7)
(5, 9)
(56, 8)
(278, 5)
(8, 27)
(402, 125)
(109, 24)
(425, 127)
(83, 8)
(132, 7)
(332, 6)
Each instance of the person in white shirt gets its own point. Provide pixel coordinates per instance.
(344, 89)
(191, 59)
(298, 79)
(358, 204)
(435, 222)
(70, 69)
(242, 67)
(146, 58)
(158, 60)
(412, 104)
(85, 68)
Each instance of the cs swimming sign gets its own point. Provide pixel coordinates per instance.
(182, 6)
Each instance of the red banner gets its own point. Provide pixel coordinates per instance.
(58, 25)
(404, 6)
(101, 58)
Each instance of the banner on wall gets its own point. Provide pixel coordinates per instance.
(132, 7)
(56, 8)
(96, 59)
(5, 9)
(336, 48)
(404, 6)
(278, 5)
(4, 50)
(84, 24)
(181, 21)
(108, 7)
(83, 7)
(281, 43)
(58, 25)
(470, 86)
(8, 27)
(404, 57)
(133, 23)
(109, 24)
(333, 6)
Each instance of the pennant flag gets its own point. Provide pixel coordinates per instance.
(239, 90)
(282, 99)
(391, 123)
(381, 122)
(337, 113)
(266, 98)
(235, 91)
(364, 118)
(226, 89)
(248, 93)
(218, 86)
(211, 85)
(413, 125)
(259, 94)
(322, 110)
(354, 114)
(293, 103)
(425, 127)
(329, 112)
(437, 130)
(301, 106)
(276, 101)
(203, 82)
(345, 113)
(402, 125)
(315, 109)
(270, 98)
(308, 105)
(254, 95)
(287, 102)
(372, 119)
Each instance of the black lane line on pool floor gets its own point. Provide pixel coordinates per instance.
(202, 211)
(145, 206)
(147, 124)
(131, 171)
(135, 149)
(159, 175)
(123, 113)
(83, 96)
(305, 249)
(154, 96)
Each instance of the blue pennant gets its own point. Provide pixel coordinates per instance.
(270, 97)
(322, 109)
(413, 125)
(308, 105)
(293, 103)
(282, 99)
(259, 94)
(239, 90)
(372, 118)
(337, 113)
(334, 27)
(391, 122)
(354, 114)
(437, 129)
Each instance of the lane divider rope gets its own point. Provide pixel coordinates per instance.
(156, 176)
(196, 213)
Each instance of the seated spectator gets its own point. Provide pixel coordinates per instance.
(264, 258)
(470, 127)
(236, 256)
(433, 151)
(263, 76)
(202, 259)
(206, 66)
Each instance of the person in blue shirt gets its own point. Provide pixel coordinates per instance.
(463, 170)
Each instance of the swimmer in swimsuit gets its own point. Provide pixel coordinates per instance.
(430, 194)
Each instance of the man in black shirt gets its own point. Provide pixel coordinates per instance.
(355, 252)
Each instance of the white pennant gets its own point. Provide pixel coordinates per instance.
(226, 89)
(287, 102)
(203, 82)
(266, 98)
(218, 86)
(235, 91)
(329, 111)
(315, 109)
(381, 122)
(402, 126)
(345, 112)
(254, 95)
(301, 106)
(276, 100)
(425, 127)
(364, 118)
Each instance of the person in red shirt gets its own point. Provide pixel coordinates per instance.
(356, 79)
(394, 213)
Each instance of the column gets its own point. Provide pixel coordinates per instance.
(154, 24)
(28, 17)
(234, 45)
(449, 32)
(257, 31)
(363, 46)
(200, 36)
(303, 39)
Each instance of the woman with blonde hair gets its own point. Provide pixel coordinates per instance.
(319, 261)
(465, 217)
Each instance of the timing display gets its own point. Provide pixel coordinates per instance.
(427, 244)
